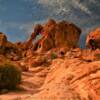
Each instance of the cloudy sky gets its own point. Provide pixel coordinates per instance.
(17, 17)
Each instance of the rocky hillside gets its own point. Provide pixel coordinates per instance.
(55, 68)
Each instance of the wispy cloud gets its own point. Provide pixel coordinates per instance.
(47, 2)
(94, 1)
(76, 4)
(61, 5)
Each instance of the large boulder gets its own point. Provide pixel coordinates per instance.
(93, 39)
(58, 35)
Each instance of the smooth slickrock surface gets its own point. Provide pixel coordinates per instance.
(75, 76)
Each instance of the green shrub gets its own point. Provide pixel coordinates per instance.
(10, 76)
(53, 56)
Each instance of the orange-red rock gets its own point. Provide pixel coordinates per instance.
(60, 72)
(93, 37)
(71, 79)
(59, 34)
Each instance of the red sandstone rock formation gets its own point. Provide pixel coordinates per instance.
(71, 80)
(57, 74)
(57, 35)
(93, 39)
(8, 49)
(4, 42)
(37, 30)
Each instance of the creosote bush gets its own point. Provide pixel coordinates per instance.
(53, 56)
(10, 76)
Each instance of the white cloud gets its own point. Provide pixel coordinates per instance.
(58, 6)
(47, 2)
(62, 7)
(76, 4)
(93, 1)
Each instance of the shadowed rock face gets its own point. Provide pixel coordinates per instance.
(93, 39)
(58, 34)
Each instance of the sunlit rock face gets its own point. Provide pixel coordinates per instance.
(59, 34)
(4, 42)
(3, 39)
(93, 39)
(8, 49)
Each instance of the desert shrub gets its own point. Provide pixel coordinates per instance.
(10, 76)
(53, 56)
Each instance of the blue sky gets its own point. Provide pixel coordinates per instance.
(17, 17)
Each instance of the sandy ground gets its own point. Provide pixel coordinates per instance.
(31, 84)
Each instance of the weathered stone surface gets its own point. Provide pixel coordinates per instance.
(9, 49)
(3, 39)
(4, 42)
(93, 39)
(76, 76)
(52, 69)
(71, 79)
(57, 35)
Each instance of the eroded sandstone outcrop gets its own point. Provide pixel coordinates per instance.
(72, 80)
(56, 35)
(54, 68)
(4, 42)
(8, 49)
(74, 77)
(93, 39)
